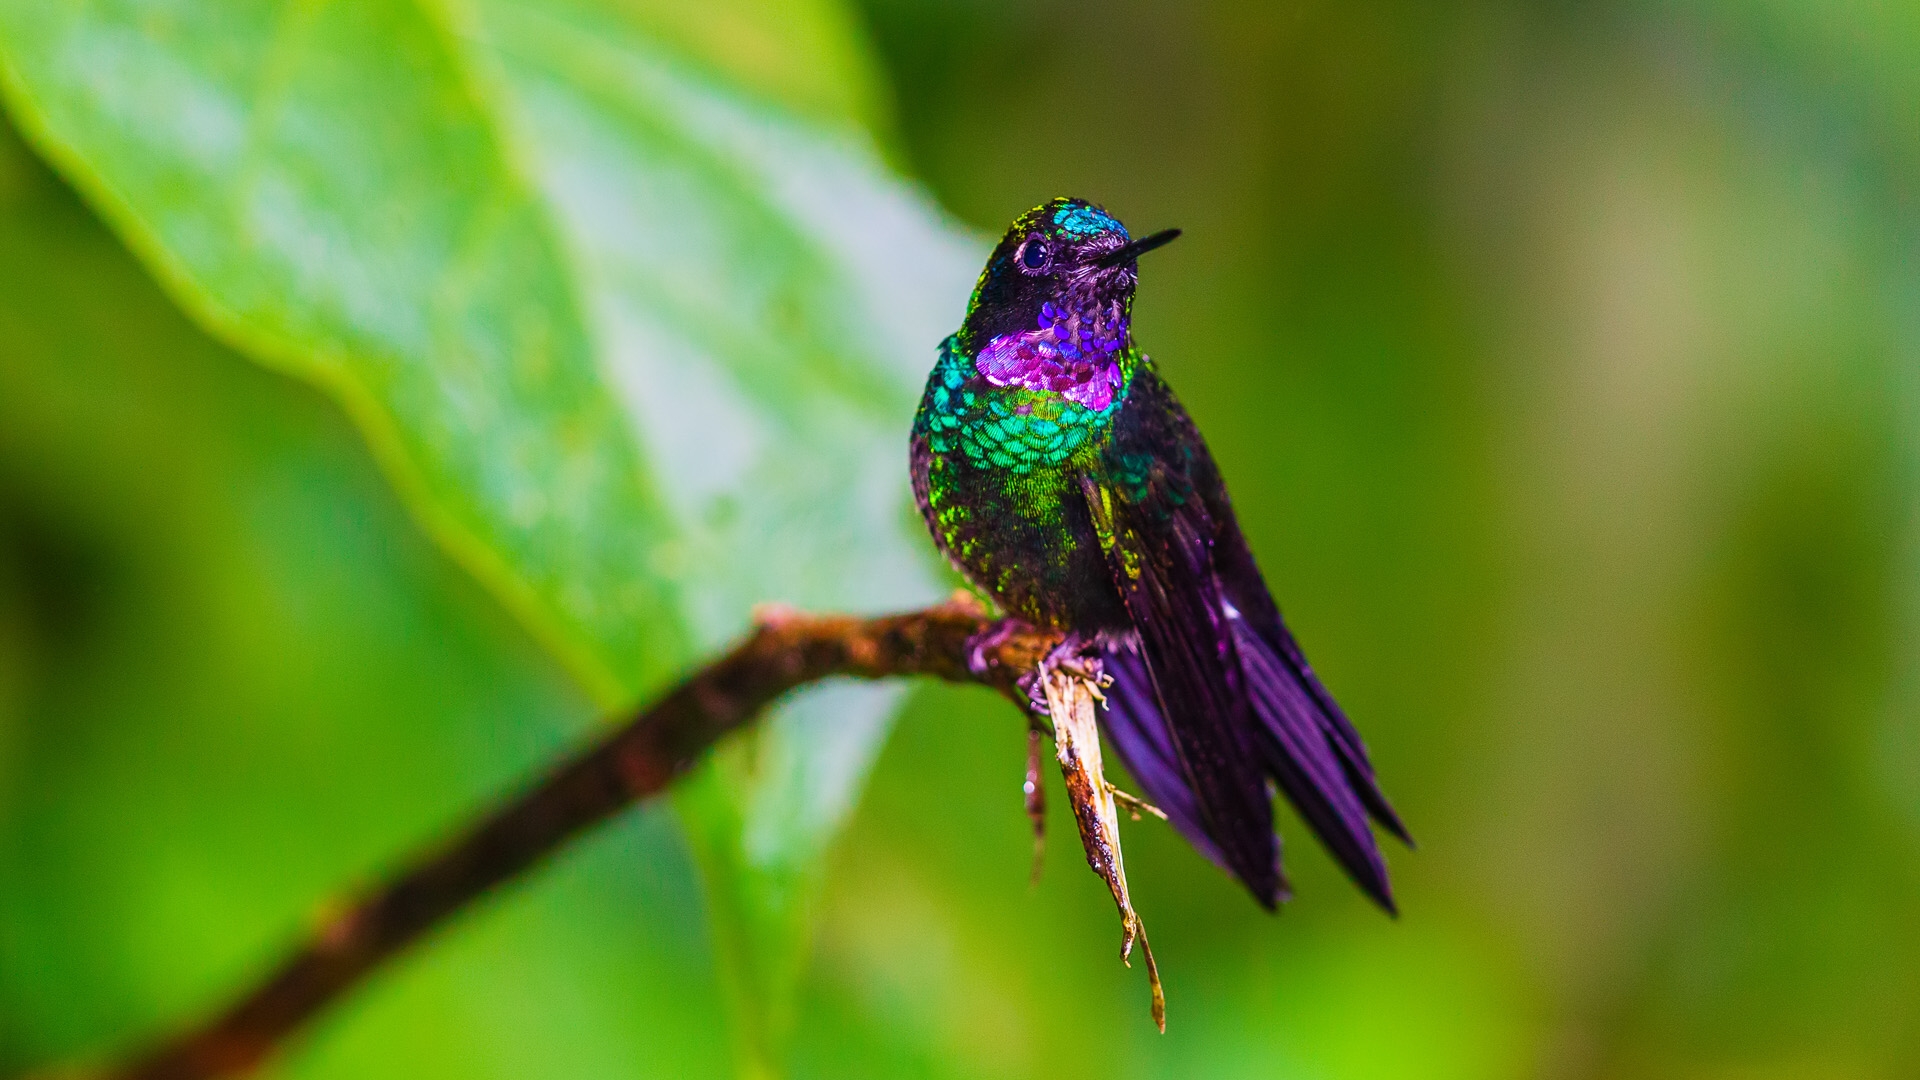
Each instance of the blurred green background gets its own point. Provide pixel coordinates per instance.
(1565, 363)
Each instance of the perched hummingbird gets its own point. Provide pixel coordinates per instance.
(1059, 474)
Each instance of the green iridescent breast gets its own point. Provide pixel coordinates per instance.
(1005, 427)
(998, 474)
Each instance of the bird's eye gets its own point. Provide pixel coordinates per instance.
(1035, 255)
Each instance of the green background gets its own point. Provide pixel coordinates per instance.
(1565, 364)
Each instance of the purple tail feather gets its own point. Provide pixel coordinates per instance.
(1311, 754)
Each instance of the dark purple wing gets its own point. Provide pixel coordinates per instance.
(1298, 734)
(1142, 741)
(1158, 540)
(1246, 590)
(1296, 750)
(1140, 738)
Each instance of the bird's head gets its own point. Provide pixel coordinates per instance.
(1064, 256)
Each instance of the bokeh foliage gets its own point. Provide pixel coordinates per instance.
(1565, 362)
(630, 331)
(237, 678)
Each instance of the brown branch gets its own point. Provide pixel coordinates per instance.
(640, 759)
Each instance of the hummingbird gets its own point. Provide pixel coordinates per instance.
(1060, 475)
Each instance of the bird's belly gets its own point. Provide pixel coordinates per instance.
(1028, 541)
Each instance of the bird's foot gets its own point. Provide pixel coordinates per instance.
(982, 646)
(1075, 655)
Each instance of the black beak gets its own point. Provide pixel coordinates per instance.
(1126, 253)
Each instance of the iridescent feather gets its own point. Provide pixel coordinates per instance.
(1058, 471)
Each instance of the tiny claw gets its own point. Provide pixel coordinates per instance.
(1096, 685)
(982, 646)
(1072, 655)
(1036, 693)
(1089, 671)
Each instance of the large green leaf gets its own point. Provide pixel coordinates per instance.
(235, 677)
(620, 295)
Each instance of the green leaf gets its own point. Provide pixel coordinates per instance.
(620, 295)
(236, 678)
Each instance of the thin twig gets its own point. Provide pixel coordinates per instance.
(640, 759)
